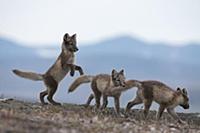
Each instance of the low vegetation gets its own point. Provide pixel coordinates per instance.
(19, 116)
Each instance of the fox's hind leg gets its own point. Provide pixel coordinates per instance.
(130, 104)
(52, 86)
(105, 102)
(90, 98)
(42, 95)
(147, 105)
(98, 99)
(97, 94)
(51, 92)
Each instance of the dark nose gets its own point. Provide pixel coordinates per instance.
(76, 49)
(123, 84)
(187, 107)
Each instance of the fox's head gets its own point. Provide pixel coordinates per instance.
(118, 78)
(69, 43)
(185, 99)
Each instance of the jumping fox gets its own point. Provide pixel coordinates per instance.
(63, 64)
(166, 97)
(103, 85)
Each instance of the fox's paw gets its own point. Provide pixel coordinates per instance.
(44, 103)
(80, 70)
(72, 73)
(127, 111)
(56, 104)
(81, 73)
(182, 122)
(85, 105)
(69, 90)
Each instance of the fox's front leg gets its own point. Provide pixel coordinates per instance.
(117, 105)
(174, 115)
(76, 68)
(160, 112)
(73, 68)
(79, 68)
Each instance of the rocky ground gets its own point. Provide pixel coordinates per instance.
(26, 117)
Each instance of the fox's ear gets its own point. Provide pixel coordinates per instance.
(114, 72)
(66, 37)
(184, 91)
(74, 36)
(122, 71)
(178, 89)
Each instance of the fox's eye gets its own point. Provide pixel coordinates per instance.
(187, 99)
(114, 78)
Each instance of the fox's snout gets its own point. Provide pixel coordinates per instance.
(123, 84)
(187, 106)
(76, 49)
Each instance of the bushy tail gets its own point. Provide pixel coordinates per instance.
(128, 85)
(133, 83)
(28, 75)
(80, 80)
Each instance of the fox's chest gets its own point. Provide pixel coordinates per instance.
(71, 60)
(61, 68)
(104, 86)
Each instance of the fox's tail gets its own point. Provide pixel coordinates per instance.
(80, 80)
(28, 75)
(132, 83)
(128, 85)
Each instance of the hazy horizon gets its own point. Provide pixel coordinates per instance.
(93, 42)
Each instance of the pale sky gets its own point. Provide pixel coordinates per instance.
(45, 21)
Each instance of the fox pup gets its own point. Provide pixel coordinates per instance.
(63, 64)
(166, 97)
(103, 85)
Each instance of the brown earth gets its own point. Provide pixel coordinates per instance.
(26, 117)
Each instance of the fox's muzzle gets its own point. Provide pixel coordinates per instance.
(75, 49)
(123, 84)
(187, 106)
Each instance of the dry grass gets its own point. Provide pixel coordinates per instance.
(24, 117)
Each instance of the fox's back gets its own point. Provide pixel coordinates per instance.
(102, 81)
(158, 91)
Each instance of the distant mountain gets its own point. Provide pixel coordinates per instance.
(126, 45)
(11, 49)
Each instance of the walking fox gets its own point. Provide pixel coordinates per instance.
(149, 91)
(167, 98)
(103, 85)
(63, 64)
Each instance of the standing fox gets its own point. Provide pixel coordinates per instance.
(166, 97)
(63, 64)
(103, 85)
